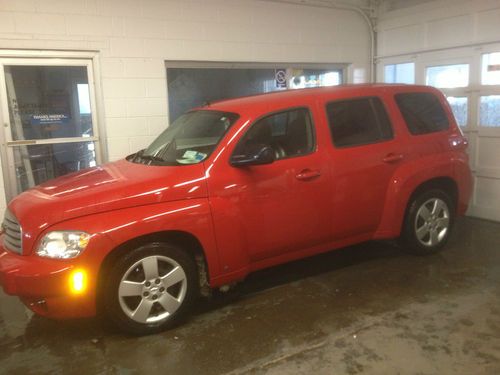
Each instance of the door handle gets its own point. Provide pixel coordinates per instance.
(392, 158)
(308, 174)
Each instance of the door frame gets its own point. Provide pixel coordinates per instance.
(90, 60)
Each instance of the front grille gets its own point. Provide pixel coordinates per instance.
(13, 233)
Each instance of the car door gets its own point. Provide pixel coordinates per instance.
(263, 211)
(365, 154)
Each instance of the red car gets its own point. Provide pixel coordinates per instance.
(233, 187)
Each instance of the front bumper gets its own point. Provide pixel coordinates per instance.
(44, 285)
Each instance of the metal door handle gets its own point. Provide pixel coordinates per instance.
(392, 158)
(308, 174)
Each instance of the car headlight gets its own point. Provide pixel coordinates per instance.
(63, 244)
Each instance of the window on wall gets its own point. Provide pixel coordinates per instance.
(489, 105)
(459, 106)
(490, 70)
(448, 76)
(190, 87)
(489, 111)
(400, 73)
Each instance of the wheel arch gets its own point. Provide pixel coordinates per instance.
(184, 240)
(444, 183)
(399, 201)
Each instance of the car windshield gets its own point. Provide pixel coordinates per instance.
(188, 140)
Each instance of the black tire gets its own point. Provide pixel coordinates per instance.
(128, 276)
(420, 236)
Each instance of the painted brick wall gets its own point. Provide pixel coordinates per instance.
(134, 38)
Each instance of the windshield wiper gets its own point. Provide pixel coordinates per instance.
(140, 156)
(152, 158)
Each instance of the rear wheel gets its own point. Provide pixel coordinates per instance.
(150, 288)
(428, 222)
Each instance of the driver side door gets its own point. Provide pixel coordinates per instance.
(264, 211)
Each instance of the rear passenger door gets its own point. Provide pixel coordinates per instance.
(365, 154)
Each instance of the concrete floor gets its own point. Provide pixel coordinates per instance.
(365, 309)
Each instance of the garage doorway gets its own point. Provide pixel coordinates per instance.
(50, 124)
(192, 84)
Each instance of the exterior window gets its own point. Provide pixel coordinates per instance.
(459, 107)
(448, 76)
(358, 122)
(490, 71)
(190, 87)
(289, 133)
(400, 73)
(422, 112)
(47, 106)
(489, 111)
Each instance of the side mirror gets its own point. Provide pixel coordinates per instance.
(262, 155)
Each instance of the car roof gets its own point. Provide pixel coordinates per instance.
(278, 97)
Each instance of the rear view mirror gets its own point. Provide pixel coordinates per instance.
(262, 155)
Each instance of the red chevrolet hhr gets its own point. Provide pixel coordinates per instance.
(234, 187)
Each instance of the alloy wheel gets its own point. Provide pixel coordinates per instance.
(432, 222)
(152, 289)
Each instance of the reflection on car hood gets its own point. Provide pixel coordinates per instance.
(108, 187)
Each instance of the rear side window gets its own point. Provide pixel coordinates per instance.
(290, 133)
(357, 122)
(423, 113)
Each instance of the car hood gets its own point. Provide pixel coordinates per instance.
(112, 186)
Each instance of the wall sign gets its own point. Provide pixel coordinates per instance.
(59, 118)
(280, 77)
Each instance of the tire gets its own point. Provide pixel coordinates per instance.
(150, 289)
(428, 223)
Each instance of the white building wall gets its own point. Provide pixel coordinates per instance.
(436, 25)
(134, 38)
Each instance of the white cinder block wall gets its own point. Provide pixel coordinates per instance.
(135, 37)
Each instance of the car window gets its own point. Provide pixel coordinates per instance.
(422, 111)
(188, 140)
(357, 122)
(289, 133)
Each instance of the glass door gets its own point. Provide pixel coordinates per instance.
(50, 124)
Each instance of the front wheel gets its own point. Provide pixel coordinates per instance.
(428, 223)
(150, 288)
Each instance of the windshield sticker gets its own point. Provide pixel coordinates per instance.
(191, 157)
(190, 154)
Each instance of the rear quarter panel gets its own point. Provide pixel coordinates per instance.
(427, 156)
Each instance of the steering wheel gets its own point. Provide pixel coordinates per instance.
(279, 151)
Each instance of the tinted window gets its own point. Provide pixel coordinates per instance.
(289, 133)
(358, 121)
(422, 112)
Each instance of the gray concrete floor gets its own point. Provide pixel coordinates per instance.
(364, 309)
